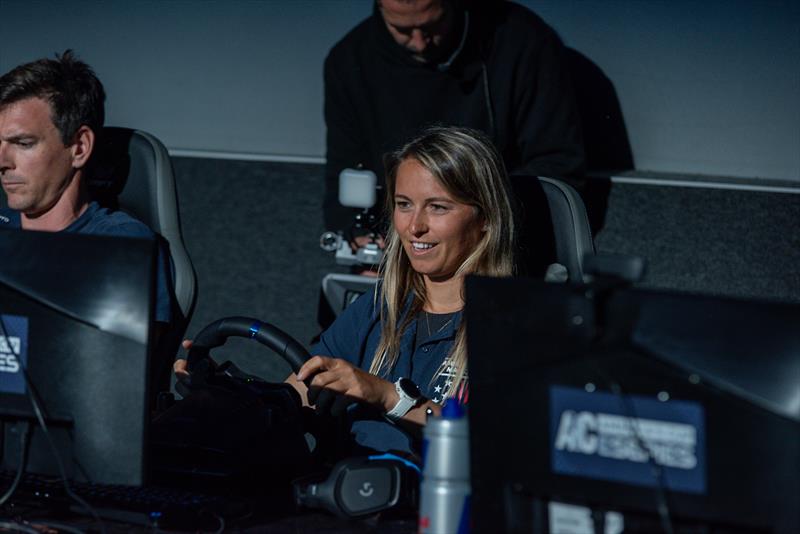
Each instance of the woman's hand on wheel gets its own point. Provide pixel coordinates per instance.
(180, 366)
(348, 381)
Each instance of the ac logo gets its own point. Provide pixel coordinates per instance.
(577, 432)
(608, 437)
(633, 439)
(9, 346)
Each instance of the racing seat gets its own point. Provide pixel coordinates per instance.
(573, 236)
(553, 233)
(131, 171)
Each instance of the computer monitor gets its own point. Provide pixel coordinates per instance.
(76, 314)
(598, 410)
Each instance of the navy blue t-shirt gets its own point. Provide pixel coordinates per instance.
(97, 220)
(354, 337)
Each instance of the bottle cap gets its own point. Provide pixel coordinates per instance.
(453, 410)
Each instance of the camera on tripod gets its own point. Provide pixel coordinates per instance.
(357, 189)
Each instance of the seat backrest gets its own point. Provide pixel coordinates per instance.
(571, 230)
(553, 233)
(131, 170)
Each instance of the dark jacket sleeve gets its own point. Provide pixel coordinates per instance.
(549, 138)
(344, 146)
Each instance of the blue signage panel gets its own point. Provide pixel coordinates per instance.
(620, 439)
(13, 353)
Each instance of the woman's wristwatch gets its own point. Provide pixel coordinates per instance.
(410, 396)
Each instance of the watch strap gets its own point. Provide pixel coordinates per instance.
(403, 405)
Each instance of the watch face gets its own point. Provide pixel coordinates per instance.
(410, 388)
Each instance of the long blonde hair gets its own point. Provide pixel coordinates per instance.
(468, 166)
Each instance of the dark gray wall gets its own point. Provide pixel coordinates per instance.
(705, 87)
(252, 230)
(736, 243)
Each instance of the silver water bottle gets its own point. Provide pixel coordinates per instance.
(445, 491)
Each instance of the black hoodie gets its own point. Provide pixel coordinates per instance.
(377, 96)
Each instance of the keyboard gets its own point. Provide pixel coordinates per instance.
(166, 508)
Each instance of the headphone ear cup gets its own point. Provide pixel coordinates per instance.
(361, 486)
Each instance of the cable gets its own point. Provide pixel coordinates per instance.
(662, 504)
(658, 471)
(487, 97)
(40, 418)
(608, 344)
(23, 459)
(13, 526)
(62, 472)
(56, 525)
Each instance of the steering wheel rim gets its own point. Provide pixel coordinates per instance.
(217, 333)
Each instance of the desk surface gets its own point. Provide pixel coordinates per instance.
(306, 522)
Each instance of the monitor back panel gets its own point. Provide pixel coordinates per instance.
(549, 405)
(77, 317)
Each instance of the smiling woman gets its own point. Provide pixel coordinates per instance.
(437, 231)
(400, 353)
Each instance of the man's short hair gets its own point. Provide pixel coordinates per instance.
(74, 92)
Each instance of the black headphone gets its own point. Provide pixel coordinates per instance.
(362, 486)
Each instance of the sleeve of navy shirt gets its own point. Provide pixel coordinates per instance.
(345, 337)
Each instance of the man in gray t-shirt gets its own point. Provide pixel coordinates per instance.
(51, 112)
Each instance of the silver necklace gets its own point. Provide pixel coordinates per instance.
(428, 323)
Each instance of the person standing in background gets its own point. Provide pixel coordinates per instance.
(489, 65)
